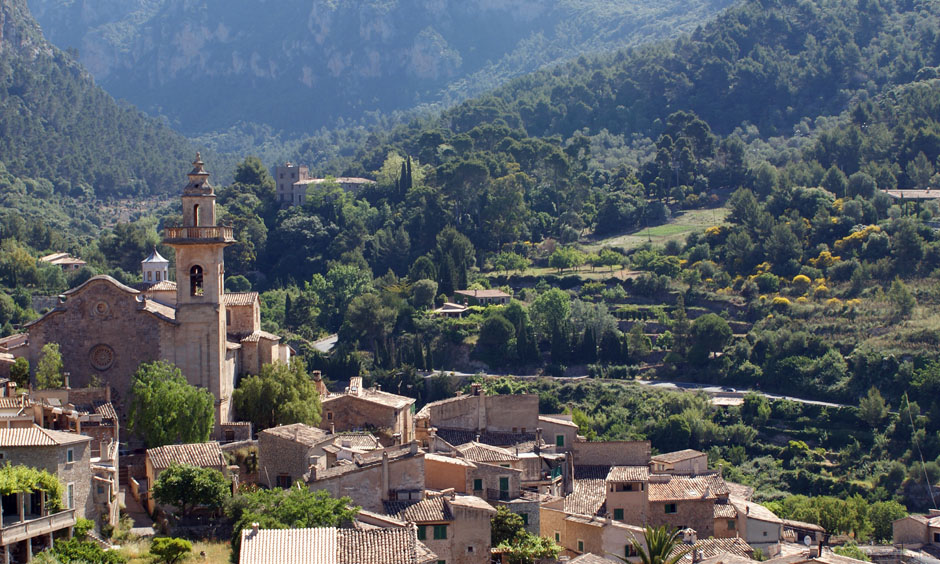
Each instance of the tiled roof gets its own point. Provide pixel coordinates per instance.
(162, 286)
(360, 441)
(725, 511)
(740, 490)
(755, 511)
(377, 546)
(628, 474)
(591, 558)
(240, 298)
(298, 433)
(258, 335)
(106, 410)
(677, 456)
(37, 436)
(479, 452)
(448, 460)
(461, 436)
(289, 546)
(155, 257)
(13, 402)
(374, 396)
(206, 455)
(14, 341)
(428, 510)
(587, 497)
(708, 548)
(161, 310)
(482, 293)
(791, 524)
(674, 488)
(558, 421)
(590, 472)
(368, 460)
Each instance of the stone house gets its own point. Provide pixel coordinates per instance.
(64, 261)
(482, 297)
(392, 474)
(688, 461)
(456, 528)
(106, 329)
(329, 545)
(757, 525)
(685, 502)
(558, 430)
(68, 457)
(503, 420)
(918, 529)
(286, 452)
(203, 455)
(357, 408)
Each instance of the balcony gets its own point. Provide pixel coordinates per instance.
(200, 235)
(22, 530)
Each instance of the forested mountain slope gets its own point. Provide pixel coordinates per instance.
(58, 126)
(299, 65)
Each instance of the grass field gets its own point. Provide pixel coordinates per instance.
(137, 552)
(677, 229)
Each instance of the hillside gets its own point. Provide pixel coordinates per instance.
(57, 126)
(298, 66)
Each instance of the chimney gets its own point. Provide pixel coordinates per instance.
(332, 428)
(385, 475)
(254, 527)
(538, 440)
(478, 437)
(65, 377)
(413, 448)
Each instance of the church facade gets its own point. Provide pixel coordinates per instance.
(105, 329)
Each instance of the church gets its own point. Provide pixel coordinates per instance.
(106, 329)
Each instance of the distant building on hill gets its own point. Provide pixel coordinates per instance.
(292, 181)
(63, 260)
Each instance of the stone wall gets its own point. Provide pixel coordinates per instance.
(471, 535)
(350, 413)
(910, 531)
(277, 456)
(611, 453)
(53, 459)
(697, 514)
(364, 485)
(512, 413)
(490, 474)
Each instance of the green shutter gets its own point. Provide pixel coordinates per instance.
(440, 532)
(478, 484)
(422, 532)
(559, 440)
(618, 514)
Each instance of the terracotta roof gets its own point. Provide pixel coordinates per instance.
(361, 441)
(36, 436)
(369, 460)
(289, 546)
(725, 511)
(591, 558)
(161, 310)
(106, 410)
(448, 460)
(206, 455)
(628, 474)
(754, 511)
(739, 490)
(674, 488)
(482, 293)
(479, 452)
(450, 307)
(377, 546)
(258, 335)
(677, 456)
(726, 558)
(428, 510)
(15, 402)
(13, 341)
(374, 396)
(591, 472)
(240, 298)
(557, 421)
(587, 497)
(792, 524)
(708, 548)
(471, 501)
(494, 438)
(161, 286)
(298, 433)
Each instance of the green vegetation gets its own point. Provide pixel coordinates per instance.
(24, 479)
(658, 546)
(507, 533)
(49, 369)
(187, 487)
(170, 550)
(163, 408)
(280, 395)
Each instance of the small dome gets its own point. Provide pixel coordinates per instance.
(155, 257)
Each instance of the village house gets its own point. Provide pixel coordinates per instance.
(481, 297)
(757, 525)
(105, 329)
(686, 461)
(330, 545)
(450, 309)
(202, 455)
(391, 474)
(64, 261)
(292, 180)
(455, 527)
(356, 409)
(918, 529)
(503, 420)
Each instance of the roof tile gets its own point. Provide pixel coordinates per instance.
(673, 488)
(205, 455)
(428, 510)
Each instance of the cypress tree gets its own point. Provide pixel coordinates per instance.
(410, 183)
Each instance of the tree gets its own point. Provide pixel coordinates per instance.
(49, 370)
(164, 408)
(527, 548)
(871, 408)
(497, 340)
(170, 550)
(293, 508)
(882, 514)
(507, 260)
(280, 395)
(186, 487)
(638, 344)
(75, 550)
(550, 310)
(19, 372)
(660, 546)
(755, 410)
(505, 526)
(710, 334)
(423, 292)
(902, 298)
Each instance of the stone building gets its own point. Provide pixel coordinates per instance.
(456, 528)
(292, 180)
(686, 461)
(392, 474)
(503, 420)
(106, 329)
(357, 408)
(482, 297)
(286, 452)
(202, 455)
(918, 529)
(330, 545)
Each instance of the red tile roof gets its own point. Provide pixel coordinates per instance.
(37, 436)
(676, 488)
(205, 455)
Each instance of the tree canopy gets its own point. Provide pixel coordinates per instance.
(163, 408)
(187, 487)
(279, 395)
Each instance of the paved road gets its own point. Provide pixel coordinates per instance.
(710, 389)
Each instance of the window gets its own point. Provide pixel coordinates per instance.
(329, 415)
(559, 440)
(158, 275)
(765, 533)
(936, 537)
(70, 456)
(730, 524)
(440, 532)
(283, 481)
(670, 508)
(422, 532)
(228, 317)
(100, 490)
(70, 500)
(441, 562)
(469, 550)
(195, 281)
(557, 537)
(196, 214)
(478, 484)
(580, 545)
(629, 551)
(618, 514)
(149, 276)
(525, 518)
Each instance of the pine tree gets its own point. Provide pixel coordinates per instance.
(680, 328)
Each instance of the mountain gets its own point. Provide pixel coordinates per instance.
(299, 65)
(57, 125)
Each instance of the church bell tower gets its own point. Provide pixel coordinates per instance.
(200, 350)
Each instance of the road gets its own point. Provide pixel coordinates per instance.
(710, 389)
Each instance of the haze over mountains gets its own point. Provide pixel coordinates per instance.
(297, 66)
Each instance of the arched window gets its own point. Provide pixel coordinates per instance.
(158, 276)
(195, 280)
(149, 276)
(196, 215)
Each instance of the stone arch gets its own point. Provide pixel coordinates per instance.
(196, 281)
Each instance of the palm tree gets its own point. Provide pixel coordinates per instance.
(660, 546)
